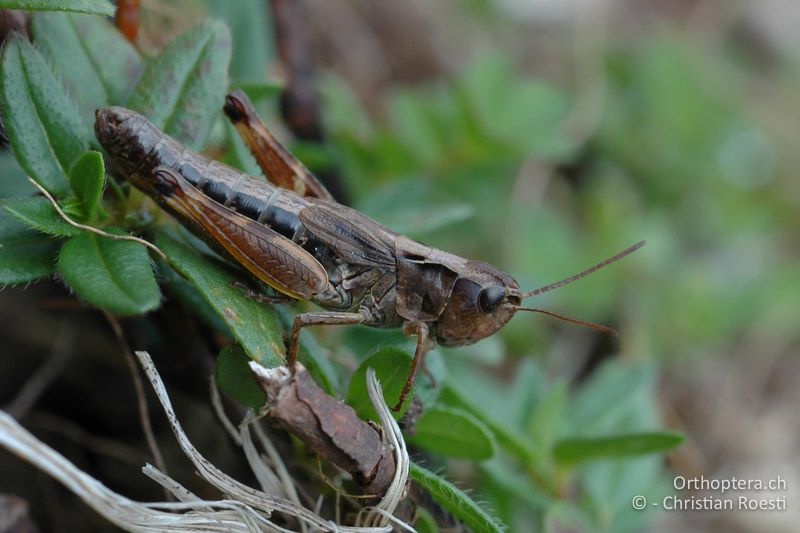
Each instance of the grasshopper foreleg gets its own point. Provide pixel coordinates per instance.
(318, 318)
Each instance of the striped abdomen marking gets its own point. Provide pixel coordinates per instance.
(271, 257)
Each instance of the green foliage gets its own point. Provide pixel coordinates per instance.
(109, 273)
(183, 89)
(87, 178)
(25, 255)
(96, 64)
(38, 213)
(455, 501)
(391, 368)
(575, 450)
(254, 326)
(454, 433)
(96, 7)
(235, 378)
(470, 165)
(253, 42)
(42, 123)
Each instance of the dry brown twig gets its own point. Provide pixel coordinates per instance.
(241, 508)
(328, 427)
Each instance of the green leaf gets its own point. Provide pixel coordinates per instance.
(109, 273)
(261, 90)
(391, 367)
(548, 418)
(455, 501)
(251, 28)
(179, 287)
(25, 255)
(528, 453)
(424, 522)
(183, 89)
(14, 183)
(96, 63)
(95, 7)
(43, 126)
(255, 326)
(605, 398)
(414, 208)
(575, 450)
(38, 213)
(87, 178)
(235, 378)
(454, 433)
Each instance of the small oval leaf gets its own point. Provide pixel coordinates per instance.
(96, 63)
(117, 61)
(38, 213)
(453, 432)
(87, 178)
(456, 501)
(109, 273)
(25, 255)
(391, 367)
(42, 123)
(95, 7)
(255, 326)
(575, 450)
(235, 378)
(183, 89)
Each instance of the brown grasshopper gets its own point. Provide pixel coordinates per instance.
(293, 236)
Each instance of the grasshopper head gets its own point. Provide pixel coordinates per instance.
(129, 139)
(113, 129)
(484, 298)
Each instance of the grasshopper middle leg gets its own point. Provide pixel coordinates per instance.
(320, 318)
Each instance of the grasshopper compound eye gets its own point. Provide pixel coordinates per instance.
(490, 297)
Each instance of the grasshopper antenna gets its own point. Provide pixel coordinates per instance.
(627, 251)
(593, 325)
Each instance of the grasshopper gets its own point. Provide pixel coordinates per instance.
(292, 235)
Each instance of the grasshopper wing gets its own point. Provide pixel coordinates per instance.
(354, 237)
(265, 253)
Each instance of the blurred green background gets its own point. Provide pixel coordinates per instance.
(543, 136)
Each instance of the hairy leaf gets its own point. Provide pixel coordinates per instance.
(455, 501)
(96, 63)
(87, 178)
(42, 123)
(38, 213)
(183, 89)
(109, 273)
(25, 255)
(95, 7)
